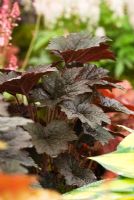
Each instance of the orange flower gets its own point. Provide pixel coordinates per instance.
(15, 182)
(18, 187)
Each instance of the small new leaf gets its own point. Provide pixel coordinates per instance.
(52, 139)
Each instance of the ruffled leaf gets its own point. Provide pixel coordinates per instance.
(73, 173)
(99, 133)
(22, 83)
(7, 123)
(13, 158)
(114, 105)
(59, 86)
(93, 74)
(52, 139)
(81, 47)
(86, 112)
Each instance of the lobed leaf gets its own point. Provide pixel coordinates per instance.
(81, 47)
(22, 83)
(16, 138)
(86, 112)
(99, 133)
(114, 105)
(74, 175)
(59, 86)
(93, 74)
(14, 159)
(7, 123)
(52, 139)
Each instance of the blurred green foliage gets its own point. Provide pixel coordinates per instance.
(122, 34)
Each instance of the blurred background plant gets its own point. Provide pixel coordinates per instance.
(118, 24)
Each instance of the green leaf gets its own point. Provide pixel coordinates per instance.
(121, 161)
(119, 69)
(3, 107)
(44, 37)
(127, 142)
(118, 162)
(118, 189)
(124, 40)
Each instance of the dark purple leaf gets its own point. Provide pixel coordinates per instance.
(16, 139)
(13, 82)
(93, 74)
(59, 86)
(15, 162)
(114, 105)
(85, 111)
(81, 47)
(99, 133)
(52, 139)
(73, 173)
(14, 158)
(8, 123)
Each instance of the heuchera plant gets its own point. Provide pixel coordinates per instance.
(68, 112)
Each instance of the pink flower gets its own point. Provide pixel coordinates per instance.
(2, 41)
(9, 14)
(12, 63)
(15, 12)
